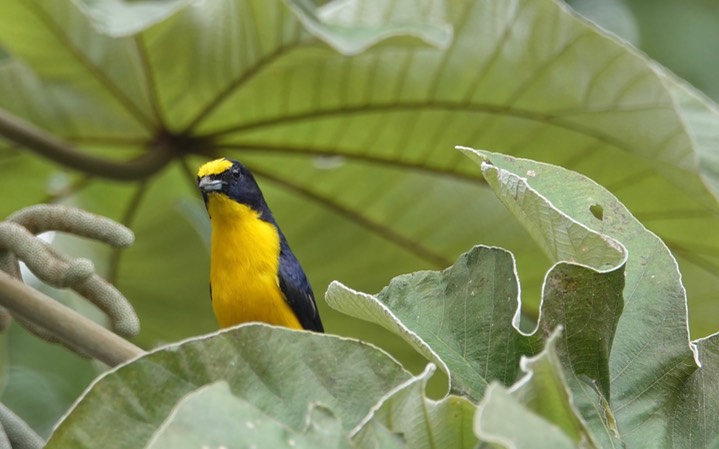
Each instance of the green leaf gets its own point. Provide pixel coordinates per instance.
(102, 91)
(560, 237)
(651, 358)
(354, 153)
(118, 19)
(537, 412)
(212, 416)
(423, 422)
(278, 371)
(353, 26)
(460, 318)
(465, 317)
(625, 360)
(544, 390)
(505, 422)
(376, 436)
(343, 144)
(564, 239)
(693, 408)
(697, 112)
(589, 304)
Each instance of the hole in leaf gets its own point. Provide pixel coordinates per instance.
(597, 211)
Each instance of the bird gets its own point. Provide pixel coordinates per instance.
(254, 275)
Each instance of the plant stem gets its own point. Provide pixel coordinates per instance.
(66, 324)
(51, 147)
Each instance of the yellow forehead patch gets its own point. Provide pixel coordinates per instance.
(214, 167)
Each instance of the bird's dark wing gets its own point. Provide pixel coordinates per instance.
(297, 289)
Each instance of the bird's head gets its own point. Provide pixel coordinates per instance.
(231, 179)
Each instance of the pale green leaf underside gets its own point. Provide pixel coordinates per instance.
(562, 239)
(460, 318)
(212, 416)
(118, 18)
(521, 76)
(538, 404)
(651, 341)
(464, 318)
(424, 423)
(281, 372)
(572, 246)
(376, 436)
(355, 25)
(625, 325)
(498, 418)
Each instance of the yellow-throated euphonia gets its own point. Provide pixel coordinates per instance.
(254, 276)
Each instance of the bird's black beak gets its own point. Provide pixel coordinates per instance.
(208, 184)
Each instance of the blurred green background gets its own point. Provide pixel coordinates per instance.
(683, 36)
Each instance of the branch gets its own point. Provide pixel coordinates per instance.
(53, 148)
(46, 318)
(57, 269)
(66, 324)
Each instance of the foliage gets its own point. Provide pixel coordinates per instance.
(608, 375)
(343, 143)
(348, 112)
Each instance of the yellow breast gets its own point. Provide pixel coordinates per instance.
(244, 263)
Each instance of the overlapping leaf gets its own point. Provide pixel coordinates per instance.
(465, 318)
(280, 372)
(626, 360)
(652, 358)
(460, 318)
(253, 82)
(353, 152)
(213, 416)
(538, 404)
(423, 422)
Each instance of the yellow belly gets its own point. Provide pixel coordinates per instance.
(244, 263)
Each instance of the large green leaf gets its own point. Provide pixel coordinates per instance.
(538, 404)
(651, 359)
(460, 318)
(355, 25)
(564, 239)
(518, 76)
(352, 151)
(626, 350)
(212, 416)
(423, 422)
(465, 318)
(280, 372)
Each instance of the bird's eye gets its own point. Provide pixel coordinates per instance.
(235, 172)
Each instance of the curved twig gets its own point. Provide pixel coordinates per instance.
(17, 238)
(39, 258)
